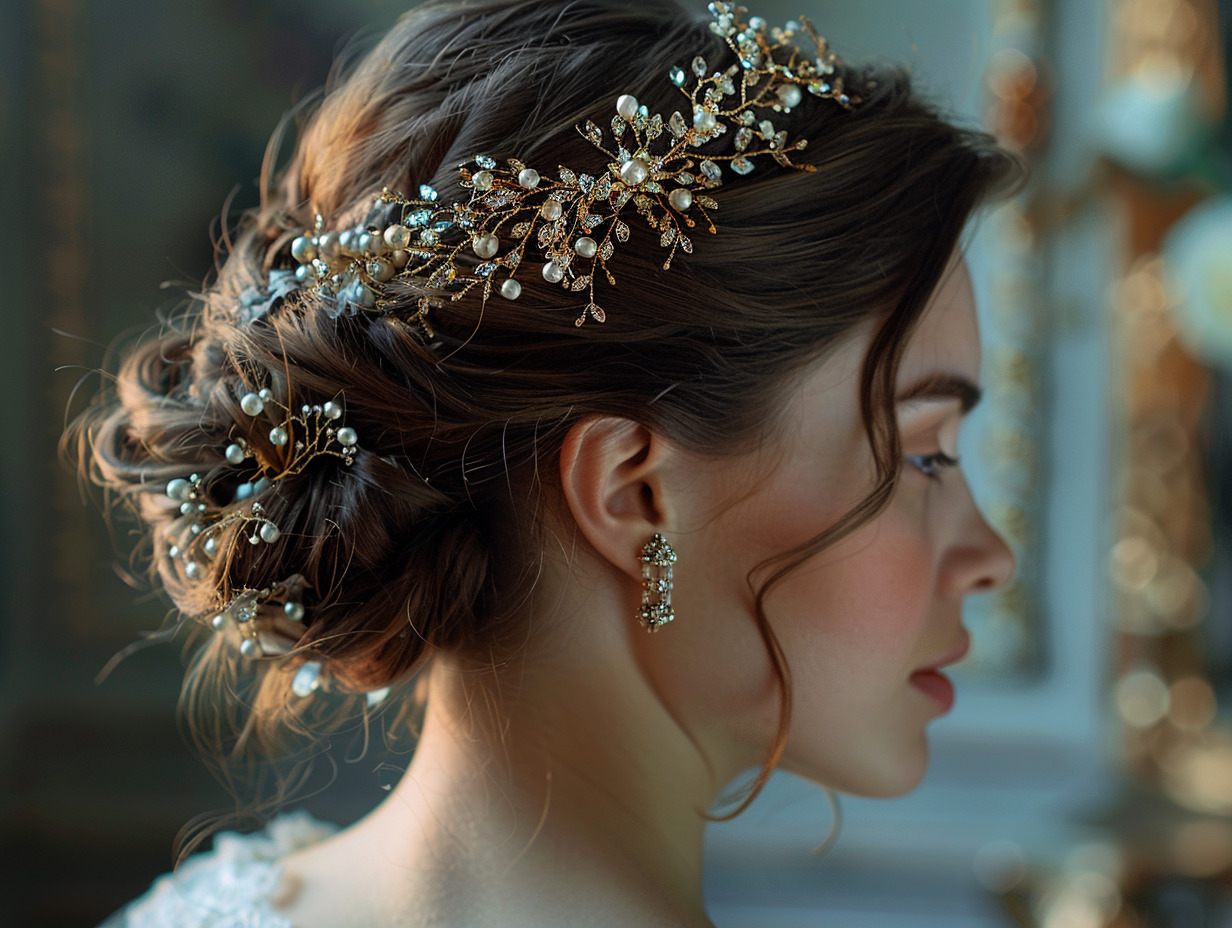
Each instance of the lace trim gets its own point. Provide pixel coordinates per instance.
(228, 887)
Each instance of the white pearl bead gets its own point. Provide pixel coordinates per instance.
(346, 243)
(346, 436)
(528, 178)
(266, 394)
(252, 404)
(400, 258)
(235, 454)
(173, 552)
(219, 621)
(303, 249)
(487, 244)
(306, 679)
(789, 95)
(250, 648)
(179, 489)
(328, 249)
(551, 210)
(278, 435)
(332, 410)
(191, 570)
(553, 273)
(269, 532)
(681, 199)
(634, 171)
(380, 269)
(211, 546)
(397, 236)
(626, 105)
(586, 247)
(187, 508)
(306, 274)
(482, 181)
(293, 611)
(510, 289)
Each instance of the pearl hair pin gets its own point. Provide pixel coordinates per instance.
(292, 442)
(574, 223)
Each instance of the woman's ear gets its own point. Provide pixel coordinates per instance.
(610, 470)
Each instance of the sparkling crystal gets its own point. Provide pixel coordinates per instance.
(699, 66)
(677, 124)
(427, 192)
(711, 171)
(485, 162)
(654, 128)
(603, 186)
(591, 220)
(741, 165)
(593, 133)
(685, 244)
(607, 250)
(652, 186)
(622, 230)
(418, 218)
(486, 269)
(586, 182)
(668, 237)
(567, 176)
(677, 76)
(619, 125)
(685, 178)
(743, 136)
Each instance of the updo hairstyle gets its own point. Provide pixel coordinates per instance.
(409, 551)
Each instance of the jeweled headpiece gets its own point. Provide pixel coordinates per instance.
(567, 229)
(517, 221)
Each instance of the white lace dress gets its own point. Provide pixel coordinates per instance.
(228, 887)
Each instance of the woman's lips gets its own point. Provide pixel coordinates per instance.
(930, 681)
(937, 685)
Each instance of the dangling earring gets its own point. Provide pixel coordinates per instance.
(657, 558)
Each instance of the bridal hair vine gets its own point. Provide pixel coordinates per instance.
(569, 228)
(290, 445)
(517, 221)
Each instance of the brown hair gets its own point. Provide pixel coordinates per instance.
(398, 550)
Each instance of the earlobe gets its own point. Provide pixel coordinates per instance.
(609, 470)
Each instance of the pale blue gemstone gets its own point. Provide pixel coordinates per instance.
(427, 192)
(485, 162)
(677, 76)
(306, 679)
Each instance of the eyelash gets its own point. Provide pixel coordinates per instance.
(931, 465)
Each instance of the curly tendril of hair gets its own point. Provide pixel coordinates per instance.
(400, 551)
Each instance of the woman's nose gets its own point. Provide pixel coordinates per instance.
(979, 560)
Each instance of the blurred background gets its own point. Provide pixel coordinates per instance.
(1084, 779)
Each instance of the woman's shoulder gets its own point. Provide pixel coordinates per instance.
(228, 887)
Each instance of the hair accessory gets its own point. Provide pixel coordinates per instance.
(566, 229)
(298, 439)
(268, 621)
(657, 558)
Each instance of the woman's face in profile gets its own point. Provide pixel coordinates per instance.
(864, 623)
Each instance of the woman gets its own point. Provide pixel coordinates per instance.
(517, 363)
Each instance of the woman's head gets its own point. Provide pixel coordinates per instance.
(433, 538)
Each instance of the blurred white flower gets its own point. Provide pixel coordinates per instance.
(1198, 270)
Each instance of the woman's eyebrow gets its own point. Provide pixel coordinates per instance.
(943, 387)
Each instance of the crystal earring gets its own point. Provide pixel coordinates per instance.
(657, 558)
